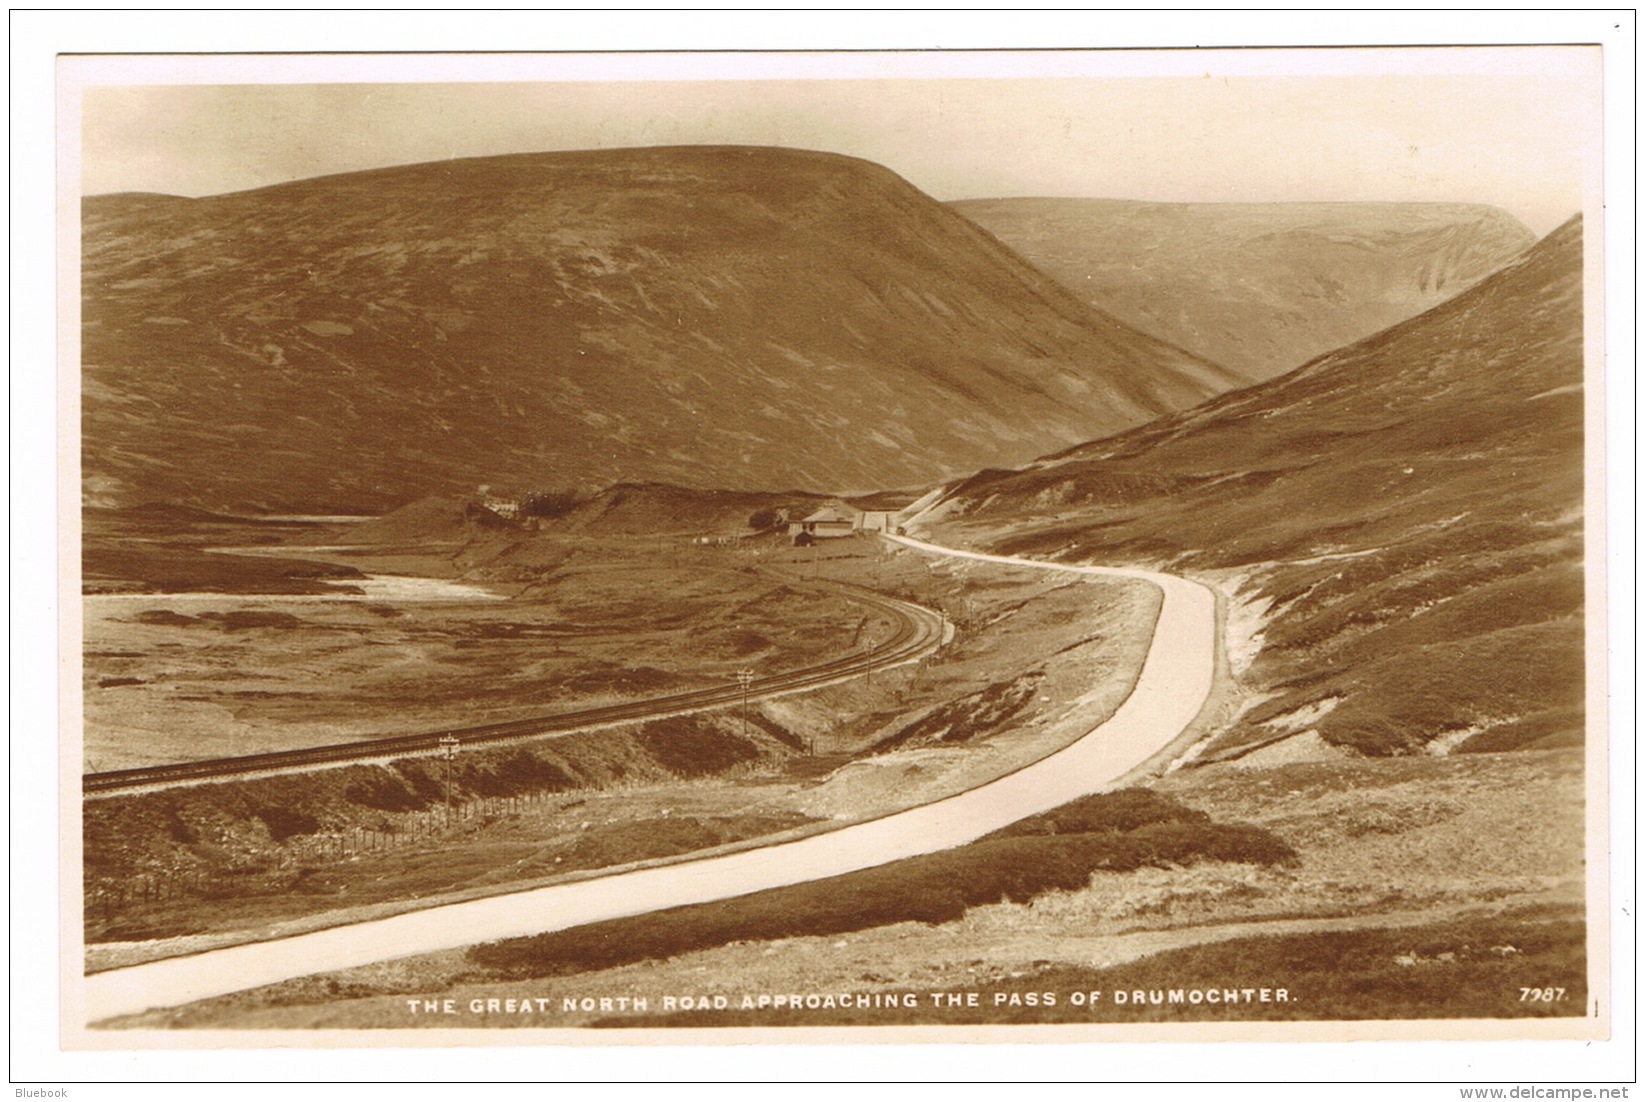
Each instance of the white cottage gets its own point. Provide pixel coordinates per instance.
(829, 522)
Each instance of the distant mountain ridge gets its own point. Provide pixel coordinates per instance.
(736, 317)
(1258, 287)
(1399, 525)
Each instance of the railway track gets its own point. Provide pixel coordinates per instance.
(919, 631)
(1170, 690)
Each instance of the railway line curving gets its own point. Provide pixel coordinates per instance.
(918, 632)
(1169, 692)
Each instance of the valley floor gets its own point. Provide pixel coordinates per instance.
(185, 869)
(1378, 888)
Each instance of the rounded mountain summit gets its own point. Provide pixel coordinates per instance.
(747, 318)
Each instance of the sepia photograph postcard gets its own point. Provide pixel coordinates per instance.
(837, 547)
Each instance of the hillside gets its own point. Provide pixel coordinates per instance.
(633, 509)
(1258, 288)
(626, 509)
(739, 317)
(1399, 524)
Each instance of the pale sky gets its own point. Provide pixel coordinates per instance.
(1515, 128)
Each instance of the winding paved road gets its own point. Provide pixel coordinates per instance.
(1174, 683)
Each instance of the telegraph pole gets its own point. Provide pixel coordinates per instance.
(448, 750)
(745, 678)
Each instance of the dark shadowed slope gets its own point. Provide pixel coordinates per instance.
(751, 318)
(1400, 523)
(1260, 288)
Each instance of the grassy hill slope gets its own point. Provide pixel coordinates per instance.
(740, 317)
(1262, 287)
(1399, 524)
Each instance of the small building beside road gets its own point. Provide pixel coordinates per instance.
(829, 522)
(837, 519)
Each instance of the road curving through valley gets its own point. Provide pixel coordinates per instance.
(1172, 687)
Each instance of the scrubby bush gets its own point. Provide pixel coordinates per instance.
(384, 793)
(1125, 810)
(283, 822)
(1133, 830)
(979, 713)
(691, 746)
(515, 774)
(550, 503)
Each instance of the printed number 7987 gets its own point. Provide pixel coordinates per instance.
(1541, 994)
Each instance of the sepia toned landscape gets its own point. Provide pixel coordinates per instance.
(729, 587)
